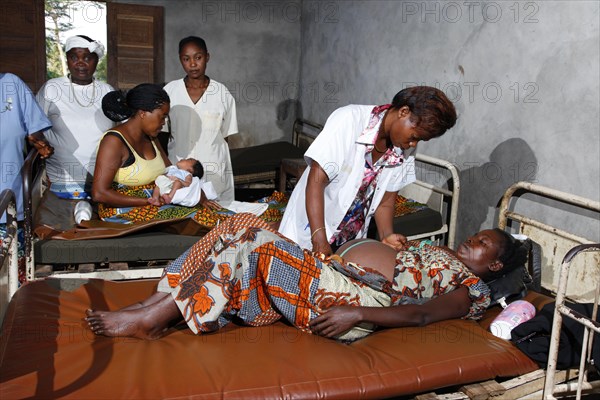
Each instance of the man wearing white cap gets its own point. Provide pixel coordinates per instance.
(73, 104)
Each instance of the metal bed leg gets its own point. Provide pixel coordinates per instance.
(589, 325)
(588, 341)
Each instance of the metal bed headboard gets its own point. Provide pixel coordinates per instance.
(450, 195)
(578, 248)
(299, 132)
(557, 242)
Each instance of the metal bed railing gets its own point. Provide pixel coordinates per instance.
(568, 198)
(451, 194)
(27, 177)
(548, 236)
(300, 132)
(8, 255)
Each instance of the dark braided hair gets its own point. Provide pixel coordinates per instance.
(513, 255)
(430, 109)
(118, 105)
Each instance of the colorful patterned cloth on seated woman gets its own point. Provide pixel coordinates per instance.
(202, 215)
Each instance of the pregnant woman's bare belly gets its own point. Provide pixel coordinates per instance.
(371, 254)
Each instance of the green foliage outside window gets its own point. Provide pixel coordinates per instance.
(59, 14)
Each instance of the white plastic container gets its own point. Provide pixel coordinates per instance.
(512, 316)
(82, 212)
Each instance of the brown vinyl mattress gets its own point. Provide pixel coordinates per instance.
(47, 351)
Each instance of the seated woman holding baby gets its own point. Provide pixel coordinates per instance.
(243, 269)
(130, 158)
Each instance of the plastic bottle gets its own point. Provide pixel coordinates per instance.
(82, 212)
(513, 315)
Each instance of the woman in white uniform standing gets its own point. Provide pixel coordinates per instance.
(363, 156)
(202, 117)
(73, 103)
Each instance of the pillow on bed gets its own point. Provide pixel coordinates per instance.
(515, 284)
(511, 286)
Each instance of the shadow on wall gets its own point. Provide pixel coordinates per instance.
(482, 186)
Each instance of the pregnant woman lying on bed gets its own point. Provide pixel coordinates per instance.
(244, 269)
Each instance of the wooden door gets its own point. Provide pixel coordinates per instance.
(23, 40)
(135, 45)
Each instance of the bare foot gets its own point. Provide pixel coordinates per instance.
(166, 198)
(128, 323)
(154, 202)
(150, 322)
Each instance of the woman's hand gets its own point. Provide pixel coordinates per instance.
(40, 143)
(320, 243)
(44, 149)
(336, 320)
(396, 241)
(211, 205)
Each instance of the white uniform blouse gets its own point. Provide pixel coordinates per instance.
(340, 150)
(78, 124)
(199, 131)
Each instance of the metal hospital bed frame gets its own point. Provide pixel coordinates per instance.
(549, 238)
(443, 200)
(135, 247)
(260, 163)
(8, 257)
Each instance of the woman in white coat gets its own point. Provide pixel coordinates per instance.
(202, 117)
(357, 164)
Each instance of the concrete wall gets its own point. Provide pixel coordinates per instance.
(254, 50)
(524, 77)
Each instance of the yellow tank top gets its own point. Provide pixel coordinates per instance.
(142, 171)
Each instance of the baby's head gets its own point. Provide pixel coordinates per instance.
(192, 166)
